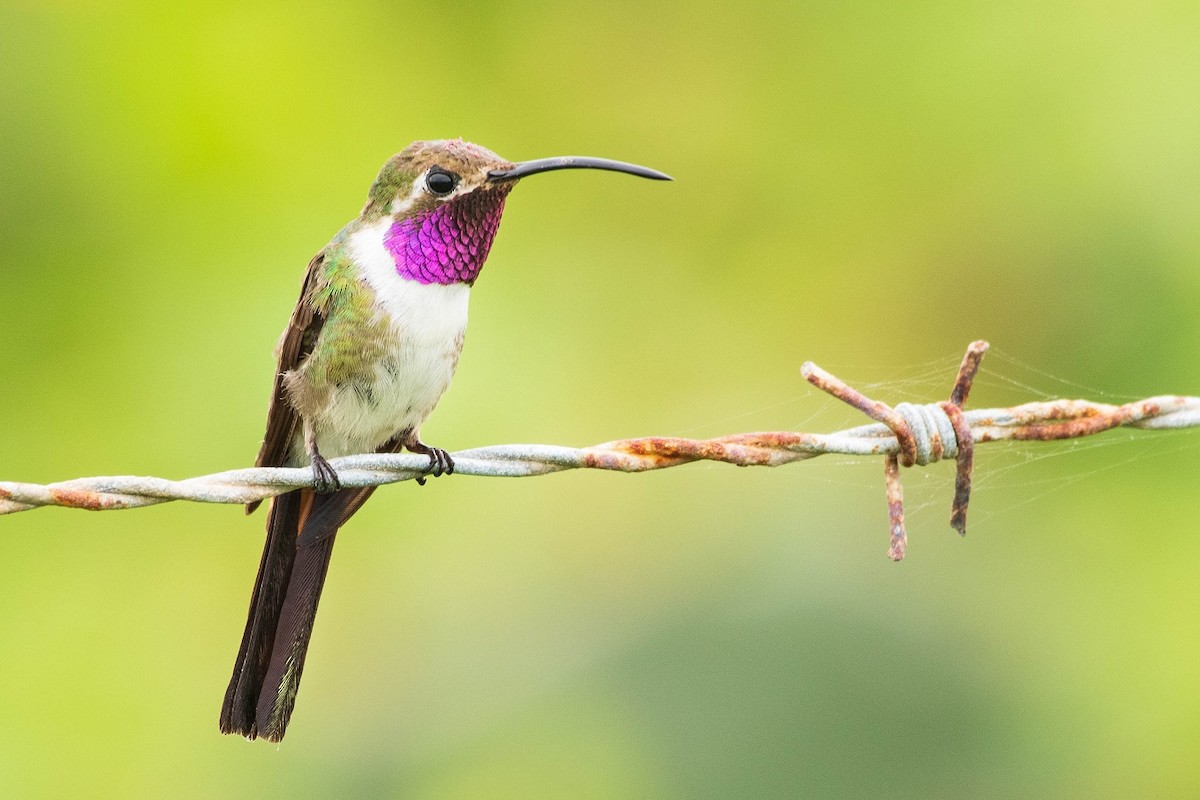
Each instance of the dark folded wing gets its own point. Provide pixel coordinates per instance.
(298, 341)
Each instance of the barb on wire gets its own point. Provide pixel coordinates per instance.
(906, 435)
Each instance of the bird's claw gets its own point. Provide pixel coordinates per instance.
(440, 463)
(325, 479)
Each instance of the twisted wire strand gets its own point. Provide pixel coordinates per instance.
(932, 430)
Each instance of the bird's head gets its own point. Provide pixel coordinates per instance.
(445, 198)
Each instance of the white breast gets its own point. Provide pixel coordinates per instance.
(427, 325)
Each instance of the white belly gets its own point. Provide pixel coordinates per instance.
(428, 322)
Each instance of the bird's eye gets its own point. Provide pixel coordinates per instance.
(441, 182)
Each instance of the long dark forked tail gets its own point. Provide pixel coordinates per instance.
(301, 530)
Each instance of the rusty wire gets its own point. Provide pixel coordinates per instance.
(906, 435)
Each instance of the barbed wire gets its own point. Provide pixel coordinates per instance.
(906, 435)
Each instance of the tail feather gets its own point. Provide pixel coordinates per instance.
(282, 680)
(301, 530)
(254, 654)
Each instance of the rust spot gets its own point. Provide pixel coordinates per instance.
(770, 439)
(669, 447)
(1084, 424)
(895, 503)
(90, 501)
(964, 467)
(966, 372)
(611, 457)
(598, 459)
(656, 452)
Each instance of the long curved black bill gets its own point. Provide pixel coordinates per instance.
(574, 162)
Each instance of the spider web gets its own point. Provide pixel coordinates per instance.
(1008, 475)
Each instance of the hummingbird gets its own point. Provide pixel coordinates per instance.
(369, 350)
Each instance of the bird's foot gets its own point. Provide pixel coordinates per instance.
(325, 479)
(440, 462)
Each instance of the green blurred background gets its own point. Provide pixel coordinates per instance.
(869, 185)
